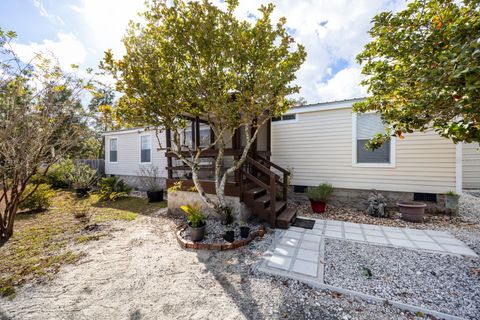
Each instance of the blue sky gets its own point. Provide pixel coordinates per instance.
(79, 31)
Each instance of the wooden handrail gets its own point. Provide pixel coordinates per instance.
(261, 167)
(276, 166)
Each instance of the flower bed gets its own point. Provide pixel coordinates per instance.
(214, 237)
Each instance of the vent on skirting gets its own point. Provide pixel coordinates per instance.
(429, 197)
(300, 189)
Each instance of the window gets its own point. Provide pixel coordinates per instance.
(113, 150)
(145, 149)
(366, 126)
(286, 117)
(204, 135)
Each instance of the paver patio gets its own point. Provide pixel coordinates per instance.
(299, 253)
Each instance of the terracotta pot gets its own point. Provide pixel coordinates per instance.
(197, 234)
(412, 211)
(155, 196)
(318, 206)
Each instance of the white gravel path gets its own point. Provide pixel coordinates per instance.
(141, 273)
(444, 283)
(469, 206)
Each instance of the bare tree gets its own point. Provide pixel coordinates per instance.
(39, 123)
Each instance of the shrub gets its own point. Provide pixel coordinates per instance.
(377, 205)
(82, 176)
(195, 216)
(38, 200)
(79, 209)
(150, 178)
(58, 175)
(113, 188)
(320, 193)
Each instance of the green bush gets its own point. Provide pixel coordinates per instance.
(320, 193)
(57, 176)
(113, 188)
(39, 200)
(82, 176)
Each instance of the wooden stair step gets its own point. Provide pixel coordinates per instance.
(284, 219)
(263, 199)
(279, 205)
(255, 191)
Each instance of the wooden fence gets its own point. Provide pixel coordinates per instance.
(96, 164)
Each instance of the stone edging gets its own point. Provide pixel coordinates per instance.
(187, 244)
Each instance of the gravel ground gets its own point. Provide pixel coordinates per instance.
(445, 283)
(469, 206)
(140, 272)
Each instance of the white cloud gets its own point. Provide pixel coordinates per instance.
(68, 49)
(44, 13)
(330, 30)
(107, 20)
(343, 85)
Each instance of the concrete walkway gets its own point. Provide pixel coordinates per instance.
(298, 253)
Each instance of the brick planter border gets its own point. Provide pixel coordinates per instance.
(219, 246)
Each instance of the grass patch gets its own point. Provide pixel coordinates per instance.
(42, 241)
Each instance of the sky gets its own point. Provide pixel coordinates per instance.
(80, 31)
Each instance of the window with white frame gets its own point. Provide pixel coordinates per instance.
(113, 156)
(145, 149)
(367, 125)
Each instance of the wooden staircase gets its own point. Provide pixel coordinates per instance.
(260, 190)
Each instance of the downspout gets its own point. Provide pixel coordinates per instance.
(458, 168)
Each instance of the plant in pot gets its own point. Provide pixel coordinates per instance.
(244, 229)
(150, 179)
(196, 222)
(451, 200)
(318, 196)
(82, 178)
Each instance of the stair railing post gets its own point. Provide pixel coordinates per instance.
(273, 191)
(285, 186)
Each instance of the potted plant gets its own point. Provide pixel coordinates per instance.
(150, 179)
(244, 229)
(229, 236)
(82, 177)
(412, 211)
(451, 200)
(196, 222)
(318, 196)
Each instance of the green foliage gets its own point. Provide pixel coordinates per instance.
(452, 193)
(320, 193)
(195, 215)
(423, 69)
(58, 175)
(40, 199)
(82, 176)
(113, 188)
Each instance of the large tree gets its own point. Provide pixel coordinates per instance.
(195, 59)
(40, 122)
(423, 69)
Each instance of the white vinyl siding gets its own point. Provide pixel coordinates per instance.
(471, 166)
(128, 159)
(319, 148)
